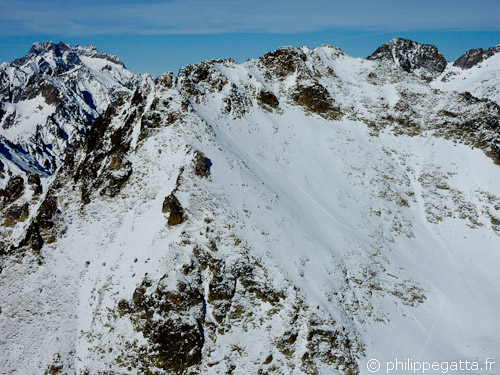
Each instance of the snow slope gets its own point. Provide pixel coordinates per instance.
(480, 80)
(333, 210)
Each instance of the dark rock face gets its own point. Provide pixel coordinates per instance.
(105, 166)
(46, 213)
(36, 183)
(158, 114)
(15, 214)
(13, 190)
(50, 93)
(33, 238)
(167, 80)
(44, 228)
(172, 206)
(410, 55)
(194, 80)
(317, 100)
(475, 56)
(222, 286)
(267, 100)
(470, 58)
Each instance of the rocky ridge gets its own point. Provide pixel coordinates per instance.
(475, 56)
(214, 251)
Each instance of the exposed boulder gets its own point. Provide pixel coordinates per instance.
(202, 165)
(172, 206)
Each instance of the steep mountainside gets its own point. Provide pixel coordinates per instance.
(49, 98)
(475, 72)
(299, 213)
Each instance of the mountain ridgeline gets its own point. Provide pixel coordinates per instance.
(299, 213)
(49, 99)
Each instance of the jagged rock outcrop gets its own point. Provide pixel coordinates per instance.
(291, 214)
(13, 190)
(475, 56)
(411, 56)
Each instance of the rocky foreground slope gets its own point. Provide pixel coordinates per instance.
(299, 213)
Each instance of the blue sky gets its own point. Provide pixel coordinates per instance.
(155, 36)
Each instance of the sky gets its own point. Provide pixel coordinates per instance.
(155, 36)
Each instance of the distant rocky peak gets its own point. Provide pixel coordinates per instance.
(48, 55)
(63, 56)
(42, 47)
(410, 55)
(475, 56)
(284, 61)
(50, 97)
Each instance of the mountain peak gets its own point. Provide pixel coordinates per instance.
(49, 56)
(62, 54)
(410, 55)
(39, 47)
(42, 47)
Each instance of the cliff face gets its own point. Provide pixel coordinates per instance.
(298, 213)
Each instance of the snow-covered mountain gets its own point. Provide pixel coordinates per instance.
(49, 98)
(476, 72)
(300, 213)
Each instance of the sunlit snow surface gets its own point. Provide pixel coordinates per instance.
(360, 224)
(481, 80)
